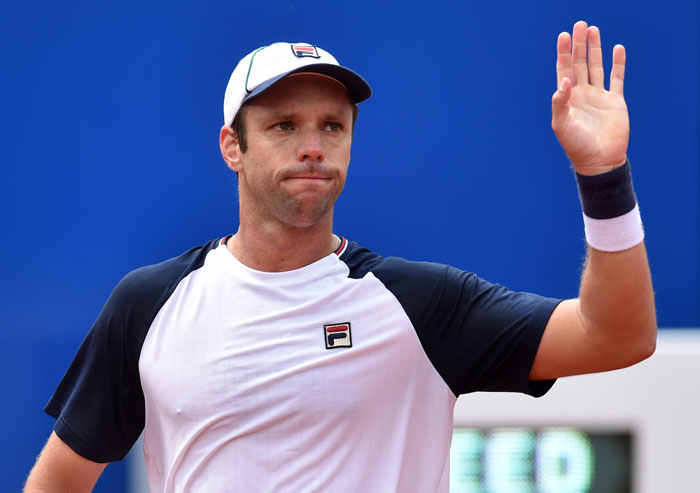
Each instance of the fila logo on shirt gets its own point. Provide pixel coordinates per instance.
(337, 335)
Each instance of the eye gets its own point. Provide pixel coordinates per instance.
(284, 126)
(333, 126)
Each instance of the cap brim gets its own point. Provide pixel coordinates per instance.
(358, 88)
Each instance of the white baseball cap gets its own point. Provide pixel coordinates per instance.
(264, 67)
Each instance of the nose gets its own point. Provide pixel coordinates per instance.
(309, 146)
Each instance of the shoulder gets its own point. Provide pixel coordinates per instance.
(147, 281)
(477, 334)
(142, 292)
(409, 278)
(361, 260)
(422, 288)
(134, 303)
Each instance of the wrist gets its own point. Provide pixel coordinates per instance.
(599, 169)
(610, 212)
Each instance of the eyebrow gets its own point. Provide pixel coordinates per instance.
(273, 115)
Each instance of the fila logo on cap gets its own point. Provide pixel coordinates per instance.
(337, 335)
(305, 50)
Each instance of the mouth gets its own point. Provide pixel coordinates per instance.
(310, 178)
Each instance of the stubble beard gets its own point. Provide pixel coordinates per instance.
(301, 209)
(304, 209)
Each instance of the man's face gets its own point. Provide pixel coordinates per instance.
(299, 134)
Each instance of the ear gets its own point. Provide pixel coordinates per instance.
(230, 148)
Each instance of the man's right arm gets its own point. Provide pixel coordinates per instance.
(60, 469)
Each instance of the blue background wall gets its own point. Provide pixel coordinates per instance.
(109, 151)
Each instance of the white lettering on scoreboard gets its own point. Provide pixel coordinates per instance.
(521, 460)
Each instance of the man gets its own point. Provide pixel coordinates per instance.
(285, 358)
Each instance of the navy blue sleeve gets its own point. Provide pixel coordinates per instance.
(479, 336)
(99, 403)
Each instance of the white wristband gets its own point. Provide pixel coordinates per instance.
(615, 234)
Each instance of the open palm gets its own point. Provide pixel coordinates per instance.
(590, 122)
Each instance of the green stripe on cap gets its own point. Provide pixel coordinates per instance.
(251, 66)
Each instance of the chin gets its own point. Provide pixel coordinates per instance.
(308, 215)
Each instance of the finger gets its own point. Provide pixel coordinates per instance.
(617, 75)
(560, 106)
(579, 53)
(595, 58)
(564, 57)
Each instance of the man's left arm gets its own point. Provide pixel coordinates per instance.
(613, 322)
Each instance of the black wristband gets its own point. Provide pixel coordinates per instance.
(607, 195)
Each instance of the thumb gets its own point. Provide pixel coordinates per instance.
(560, 100)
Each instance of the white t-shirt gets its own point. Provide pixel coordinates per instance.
(340, 376)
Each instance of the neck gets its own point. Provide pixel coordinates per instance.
(282, 248)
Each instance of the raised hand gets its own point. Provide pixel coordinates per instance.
(592, 124)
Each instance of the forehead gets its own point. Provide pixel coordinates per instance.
(304, 91)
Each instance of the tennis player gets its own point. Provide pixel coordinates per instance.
(288, 358)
